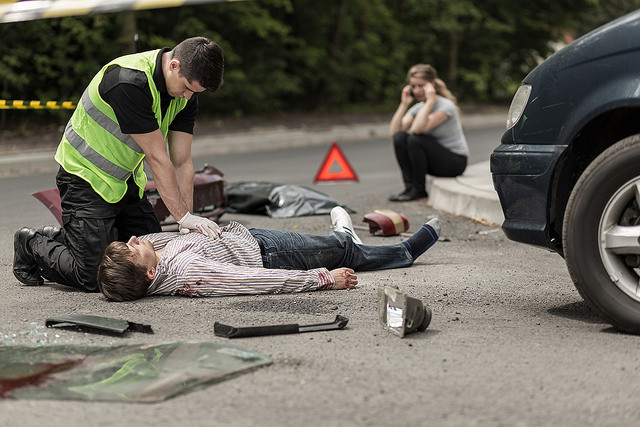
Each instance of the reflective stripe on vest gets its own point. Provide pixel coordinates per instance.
(92, 155)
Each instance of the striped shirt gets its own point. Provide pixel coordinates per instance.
(196, 265)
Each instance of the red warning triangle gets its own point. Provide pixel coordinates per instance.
(335, 167)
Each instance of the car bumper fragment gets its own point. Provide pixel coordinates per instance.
(522, 176)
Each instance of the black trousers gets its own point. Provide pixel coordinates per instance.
(89, 224)
(419, 155)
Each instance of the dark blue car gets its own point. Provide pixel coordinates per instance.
(567, 170)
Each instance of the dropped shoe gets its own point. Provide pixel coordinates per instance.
(341, 221)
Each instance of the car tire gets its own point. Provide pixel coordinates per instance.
(601, 235)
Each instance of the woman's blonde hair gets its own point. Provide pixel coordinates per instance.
(427, 72)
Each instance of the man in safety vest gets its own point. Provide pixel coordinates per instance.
(134, 108)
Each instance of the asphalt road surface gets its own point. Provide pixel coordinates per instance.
(511, 342)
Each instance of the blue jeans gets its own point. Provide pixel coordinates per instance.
(300, 251)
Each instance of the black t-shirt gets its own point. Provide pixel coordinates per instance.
(128, 93)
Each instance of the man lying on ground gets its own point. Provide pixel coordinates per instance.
(255, 261)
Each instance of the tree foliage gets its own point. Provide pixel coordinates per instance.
(309, 55)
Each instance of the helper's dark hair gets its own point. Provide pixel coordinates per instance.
(119, 278)
(201, 60)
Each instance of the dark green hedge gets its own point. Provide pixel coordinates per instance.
(308, 55)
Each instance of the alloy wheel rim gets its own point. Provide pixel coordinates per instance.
(619, 238)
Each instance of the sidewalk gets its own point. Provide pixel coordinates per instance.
(470, 195)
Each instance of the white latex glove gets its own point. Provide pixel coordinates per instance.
(205, 226)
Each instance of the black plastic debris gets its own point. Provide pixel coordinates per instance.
(96, 324)
(226, 331)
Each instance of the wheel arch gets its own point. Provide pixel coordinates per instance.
(592, 139)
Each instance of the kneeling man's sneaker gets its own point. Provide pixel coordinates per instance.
(341, 221)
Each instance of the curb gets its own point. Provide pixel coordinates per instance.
(470, 195)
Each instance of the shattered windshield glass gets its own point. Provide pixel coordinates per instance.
(129, 373)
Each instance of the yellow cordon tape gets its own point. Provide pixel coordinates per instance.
(35, 105)
(24, 10)
(19, 11)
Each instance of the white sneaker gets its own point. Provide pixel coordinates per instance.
(341, 221)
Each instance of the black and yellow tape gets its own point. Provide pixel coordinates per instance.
(26, 10)
(35, 105)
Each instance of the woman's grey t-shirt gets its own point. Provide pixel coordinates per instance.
(449, 133)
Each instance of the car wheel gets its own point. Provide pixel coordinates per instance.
(601, 234)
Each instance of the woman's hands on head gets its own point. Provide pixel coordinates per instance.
(406, 97)
(430, 91)
(418, 91)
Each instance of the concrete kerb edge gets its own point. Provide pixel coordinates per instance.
(470, 198)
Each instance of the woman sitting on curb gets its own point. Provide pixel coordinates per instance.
(428, 137)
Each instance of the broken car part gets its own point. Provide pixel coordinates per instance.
(226, 331)
(386, 222)
(401, 314)
(93, 323)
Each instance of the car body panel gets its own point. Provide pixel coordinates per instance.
(521, 177)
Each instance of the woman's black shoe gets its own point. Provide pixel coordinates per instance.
(409, 196)
(396, 197)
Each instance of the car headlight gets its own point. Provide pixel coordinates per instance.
(518, 103)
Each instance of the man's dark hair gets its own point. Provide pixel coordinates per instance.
(119, 277)
(201, 60)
